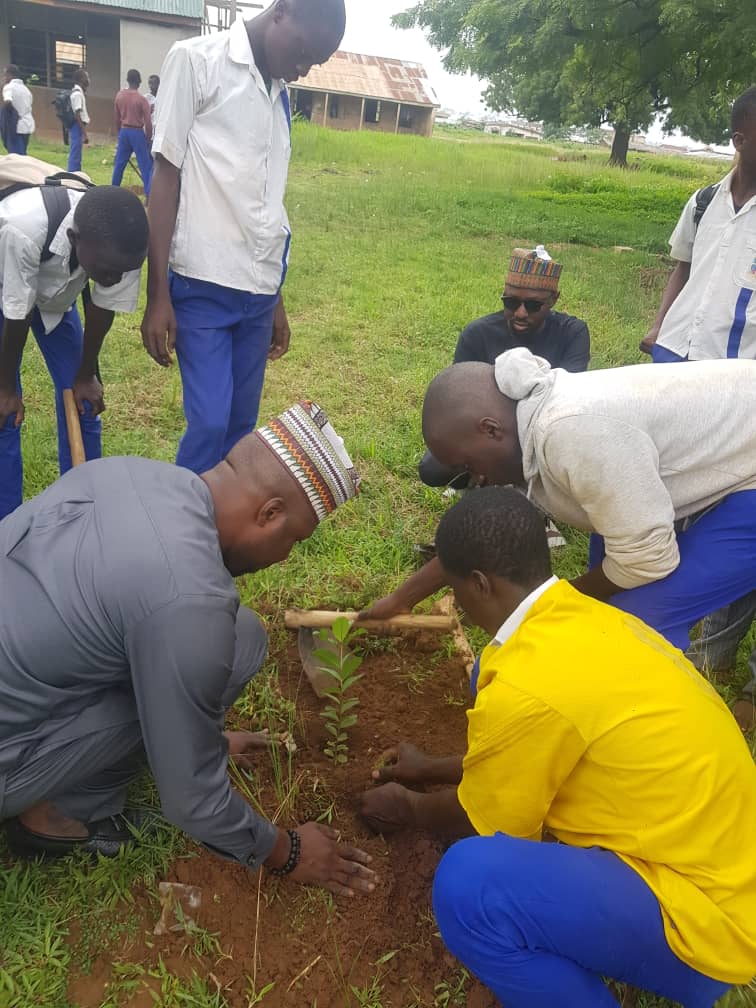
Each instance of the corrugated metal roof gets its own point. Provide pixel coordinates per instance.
(172, 8)
(371, 77)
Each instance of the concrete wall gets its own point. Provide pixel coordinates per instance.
(144, 46)
(48, 125)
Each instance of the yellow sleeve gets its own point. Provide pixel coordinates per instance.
(520, 751)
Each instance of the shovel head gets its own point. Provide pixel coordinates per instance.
(308, 643)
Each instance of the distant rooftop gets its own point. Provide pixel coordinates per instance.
(173, 8)
(372, 77)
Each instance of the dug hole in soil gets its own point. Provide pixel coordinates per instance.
(313, 949)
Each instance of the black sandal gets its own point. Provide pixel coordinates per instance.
(106, 836)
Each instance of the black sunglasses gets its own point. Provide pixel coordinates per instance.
(532, 305)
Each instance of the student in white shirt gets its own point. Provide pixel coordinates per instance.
(19, 97)
(708, 311)
(708, 308)
(103, 237)
(151, 96)
(78, 134)
(219, 234)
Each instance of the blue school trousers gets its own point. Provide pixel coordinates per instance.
(76, 142)
(717, 566)
(541, 924)
(132, 140)
(223, 339)
(61, 349)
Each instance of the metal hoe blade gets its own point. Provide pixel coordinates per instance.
(318, 677)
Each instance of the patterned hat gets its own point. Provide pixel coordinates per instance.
(535, 269)
(312, 451)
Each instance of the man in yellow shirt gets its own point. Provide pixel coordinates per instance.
(587, 724)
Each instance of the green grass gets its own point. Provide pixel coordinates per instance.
(398, 243)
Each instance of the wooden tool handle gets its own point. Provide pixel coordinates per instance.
(73, 425)
(320, 618)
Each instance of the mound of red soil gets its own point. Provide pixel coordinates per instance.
(315, 950)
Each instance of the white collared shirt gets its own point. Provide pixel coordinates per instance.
(231, 139)
(18, 93)
(79, 103)
(25, 282)
(714, 315)
(512, 623)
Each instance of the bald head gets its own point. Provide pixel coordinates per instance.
(261, 512)
(469, 424)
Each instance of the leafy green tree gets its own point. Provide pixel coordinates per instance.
(588, 62)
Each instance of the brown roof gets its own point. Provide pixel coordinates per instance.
(372, 77)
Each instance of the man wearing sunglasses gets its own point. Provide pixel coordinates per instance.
(528, 319)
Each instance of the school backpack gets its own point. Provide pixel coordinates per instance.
(703, 198)
(19, 171)
(64, 109)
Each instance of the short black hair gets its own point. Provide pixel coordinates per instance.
(113, 216)
(153, 77)
(743, 109)
(330, 12)
(134, 77)
(495, 530)
(79, 74)
(13, 70)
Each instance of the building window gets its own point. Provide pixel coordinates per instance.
(46, 57)
(69, 56)
(372, 111)
(406, 119)
(333, 107)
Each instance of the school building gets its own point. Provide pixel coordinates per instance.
(50, 39)
(356, 92)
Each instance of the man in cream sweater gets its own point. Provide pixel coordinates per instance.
(659, 461)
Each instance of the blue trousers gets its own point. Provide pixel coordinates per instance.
(222, 343)
(76, 142)
(132, 141)
(540, 924)
(61, 350)
(717, 566)
(19, 143)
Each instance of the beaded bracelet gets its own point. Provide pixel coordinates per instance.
(294, 855)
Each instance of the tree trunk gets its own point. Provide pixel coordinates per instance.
(620, 144)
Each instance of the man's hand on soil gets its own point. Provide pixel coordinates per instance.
(389, 808)
(405, 764)
(325, 862)
(244, 746)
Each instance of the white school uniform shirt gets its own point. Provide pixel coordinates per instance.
(149, 97)
(714, 315)
(231, 140)
(79, 103)
(51, 286)
(17, 92)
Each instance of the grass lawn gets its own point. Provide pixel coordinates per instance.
(398, 243)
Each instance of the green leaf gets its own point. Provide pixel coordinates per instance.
(349, 721)
(326, 657)
(340, 629)
(351, 664)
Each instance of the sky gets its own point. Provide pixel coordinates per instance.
(369, 31)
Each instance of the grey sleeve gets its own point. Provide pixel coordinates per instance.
(181, 659)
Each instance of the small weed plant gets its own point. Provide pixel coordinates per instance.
(342, 665)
